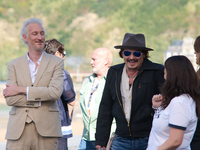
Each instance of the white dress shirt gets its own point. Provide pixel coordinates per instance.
(33, 72)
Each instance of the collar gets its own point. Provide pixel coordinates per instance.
(29, 60)
(94, 75)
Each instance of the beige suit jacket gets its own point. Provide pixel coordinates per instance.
(47, 88)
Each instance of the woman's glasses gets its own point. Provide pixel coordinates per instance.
(128, 53)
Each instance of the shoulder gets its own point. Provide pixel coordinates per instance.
(183, 103)
(53, 57)
(151, 65)
(87, 80)
(66, 74)
(85, 84)
(158, 66)
(19, 59)
(117, 67)
(183, 100)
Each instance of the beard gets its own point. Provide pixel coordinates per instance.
(95, 70)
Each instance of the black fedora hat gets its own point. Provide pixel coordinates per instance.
(133, 41)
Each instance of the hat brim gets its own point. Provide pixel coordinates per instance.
(133, 47)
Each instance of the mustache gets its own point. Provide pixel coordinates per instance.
(132, 60)
(40, 41)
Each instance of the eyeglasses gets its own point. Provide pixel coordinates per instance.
(63, 55)
(128, 53)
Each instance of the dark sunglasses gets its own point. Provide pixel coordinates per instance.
(128, 53)
(63, 55)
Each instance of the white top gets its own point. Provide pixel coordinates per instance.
(33, 72)
(126, 94)
(180, 114)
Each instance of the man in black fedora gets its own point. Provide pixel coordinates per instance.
(128, 96)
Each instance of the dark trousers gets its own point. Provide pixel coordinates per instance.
(62, 144)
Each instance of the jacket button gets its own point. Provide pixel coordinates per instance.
(26, 110)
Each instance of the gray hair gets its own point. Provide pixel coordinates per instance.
(24, 28)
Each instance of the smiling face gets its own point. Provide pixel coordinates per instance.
(35, 37)
(132, 62)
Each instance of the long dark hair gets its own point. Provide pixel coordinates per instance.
(197, 45)
(197, 50)
(181, 78)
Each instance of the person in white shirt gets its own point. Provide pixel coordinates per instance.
(177, 109)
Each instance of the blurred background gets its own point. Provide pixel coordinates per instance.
(170, 27)
(84, 25)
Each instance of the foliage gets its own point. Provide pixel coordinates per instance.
(84, 25)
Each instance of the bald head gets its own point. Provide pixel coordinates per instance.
(105, 53)
(101, 60)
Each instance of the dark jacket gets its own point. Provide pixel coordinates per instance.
(146, 84)
(67, 96)
(195, 144)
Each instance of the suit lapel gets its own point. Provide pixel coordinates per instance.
(43, 64)
(25, 70)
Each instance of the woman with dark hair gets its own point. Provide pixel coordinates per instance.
(195, 144)
(177, 109)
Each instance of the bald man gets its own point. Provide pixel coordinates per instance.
(90, 96)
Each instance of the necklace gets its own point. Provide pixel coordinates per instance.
(132, 76)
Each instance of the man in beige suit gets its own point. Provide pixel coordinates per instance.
(35, 82)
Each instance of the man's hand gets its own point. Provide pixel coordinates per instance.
(12, 90)
(98, 147)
